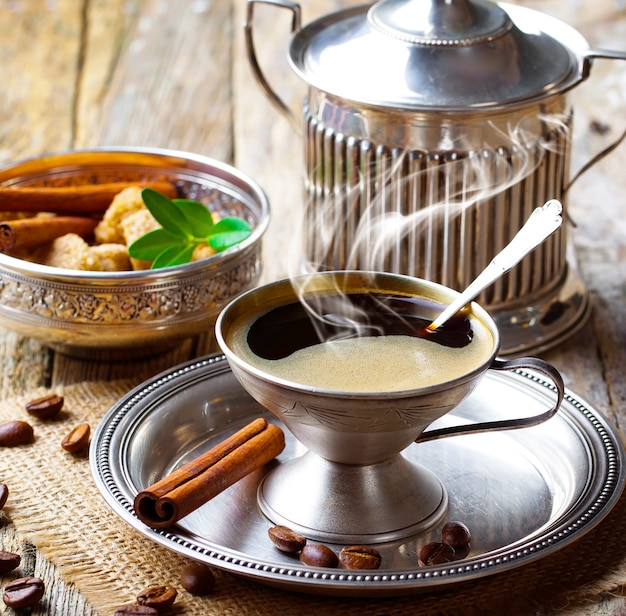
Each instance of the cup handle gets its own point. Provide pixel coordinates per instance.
(531, 363)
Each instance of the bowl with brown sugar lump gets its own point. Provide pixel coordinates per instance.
(68, 225)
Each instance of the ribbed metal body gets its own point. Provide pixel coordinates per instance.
(435, 196)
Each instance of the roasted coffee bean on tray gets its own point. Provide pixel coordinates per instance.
(462, 552)
(318, 555)
(16, 432)
(23, 592)
(77, 440)
(286, 540)
(136, 610)
(197, 579)
(4, 495)
(9, 561)
(456, 534)
(160, 598)
(45, 407)
(436, 553)
(360, 557)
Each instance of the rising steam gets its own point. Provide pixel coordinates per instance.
(435, 215)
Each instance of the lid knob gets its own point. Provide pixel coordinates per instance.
(454, 23)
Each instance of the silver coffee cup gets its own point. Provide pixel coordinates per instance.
(352, 483)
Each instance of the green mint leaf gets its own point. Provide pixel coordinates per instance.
(228, 232)
(226, 240)
(150, 245)
(231, 223)
(185, 224)
(166, 213)
(175, 255)
(198, 216)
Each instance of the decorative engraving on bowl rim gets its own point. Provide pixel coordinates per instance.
(335, 581)
(76, 304)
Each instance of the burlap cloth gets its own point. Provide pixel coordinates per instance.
(55, 504)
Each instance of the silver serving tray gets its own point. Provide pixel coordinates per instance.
(523, 493)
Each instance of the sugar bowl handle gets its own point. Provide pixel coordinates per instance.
(530, 363)
(274, 98)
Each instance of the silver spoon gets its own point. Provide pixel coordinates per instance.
(541, 224)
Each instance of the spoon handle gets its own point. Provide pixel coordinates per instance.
(544, 221)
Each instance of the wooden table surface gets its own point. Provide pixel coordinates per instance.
(152, 73)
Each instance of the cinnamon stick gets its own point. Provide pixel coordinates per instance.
(175, 496)
(85, 199)
(32, 232)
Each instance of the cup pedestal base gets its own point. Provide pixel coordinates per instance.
(352, 504)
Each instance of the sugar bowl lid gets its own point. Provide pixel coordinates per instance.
(439, 54)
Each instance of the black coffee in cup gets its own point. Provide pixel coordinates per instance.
(364, 342)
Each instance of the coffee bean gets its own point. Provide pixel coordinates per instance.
(436, 553)
(360, 557)
(16, 432)
(158, 597)
(286, 540)
(78, 439)
(197, 579)
(4, 495)
(462, 552)
(318, 555)
(23, 592)
(45, 407)
(136, 610)
(9, 561)
(456, 534)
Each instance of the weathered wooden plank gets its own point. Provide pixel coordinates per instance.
(39, 50)
(25, 364)
(60, 598)
(157, 74)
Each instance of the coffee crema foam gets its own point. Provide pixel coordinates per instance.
(378, 363)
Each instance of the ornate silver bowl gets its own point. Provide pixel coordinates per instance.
(134, 313)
